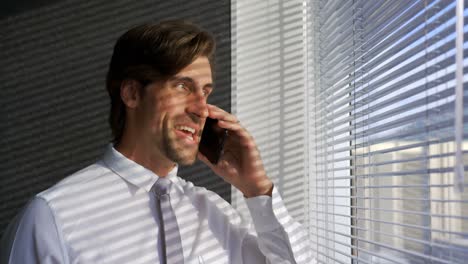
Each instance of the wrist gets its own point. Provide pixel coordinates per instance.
(264, 189)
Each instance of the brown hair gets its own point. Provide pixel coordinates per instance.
(149, 53)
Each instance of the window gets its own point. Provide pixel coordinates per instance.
(360, 110)
(384, 120)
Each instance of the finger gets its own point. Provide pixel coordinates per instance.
(218, 113)
(245, 138)
(233, 127)
(223, 116)
(214, 108)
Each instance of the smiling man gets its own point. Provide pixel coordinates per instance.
(131, 207)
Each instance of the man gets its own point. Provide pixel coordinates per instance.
(114, 211)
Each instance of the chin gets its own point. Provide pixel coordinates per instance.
(186, 162)
(181, 154)
(182, 157)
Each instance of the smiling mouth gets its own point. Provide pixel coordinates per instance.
(187, 132)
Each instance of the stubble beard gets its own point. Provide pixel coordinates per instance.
(176, 152)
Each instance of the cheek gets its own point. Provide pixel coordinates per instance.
(152, 115)
(173, 106)
(167, 110)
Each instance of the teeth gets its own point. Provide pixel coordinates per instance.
(186, 128)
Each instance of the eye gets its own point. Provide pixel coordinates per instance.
(182, 87)
(206, 92)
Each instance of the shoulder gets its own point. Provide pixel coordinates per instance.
(76, 182)
(34, 230)
(35, 213)
(37, 227)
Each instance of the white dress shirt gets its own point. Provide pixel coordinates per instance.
(106, 213)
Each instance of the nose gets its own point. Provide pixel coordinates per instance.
(197, 106)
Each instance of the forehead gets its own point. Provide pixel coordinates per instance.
(199, 70)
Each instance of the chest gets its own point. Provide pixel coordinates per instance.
(127, 231)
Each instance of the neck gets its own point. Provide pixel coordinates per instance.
(155, 161)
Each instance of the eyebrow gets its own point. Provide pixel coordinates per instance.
(190, 80)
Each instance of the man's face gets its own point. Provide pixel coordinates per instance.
(173, 114)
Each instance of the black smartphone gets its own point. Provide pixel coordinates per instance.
(212, 140)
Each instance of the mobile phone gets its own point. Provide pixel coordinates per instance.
(212, 140)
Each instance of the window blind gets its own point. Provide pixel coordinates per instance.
(268, 92)
(387, 116)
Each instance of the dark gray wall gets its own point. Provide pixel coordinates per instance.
(53, 104)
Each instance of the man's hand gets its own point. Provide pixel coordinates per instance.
(241, 164)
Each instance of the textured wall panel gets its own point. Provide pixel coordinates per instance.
(53, 103)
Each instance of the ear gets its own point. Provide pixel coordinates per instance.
(129, 92)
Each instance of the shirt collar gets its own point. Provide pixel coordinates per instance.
(134, 173)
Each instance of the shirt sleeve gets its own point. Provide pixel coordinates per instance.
(280, 238)
(33, 237)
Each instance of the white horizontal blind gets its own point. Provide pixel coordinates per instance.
(268, 92)
(381, 84)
